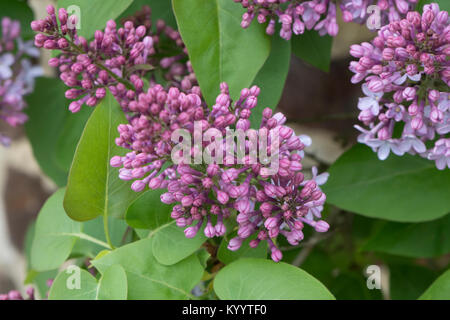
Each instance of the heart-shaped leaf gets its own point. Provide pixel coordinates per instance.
(258, 279)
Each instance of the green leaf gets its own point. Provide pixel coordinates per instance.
(245, 251)
(160, 10)
(407, 282)
(439, 289)
(95, 14)
(148, 212)
(313, 49)
(61, 291)
(38, 279)
(219, 49)
(55, 235)
(147, 278)
(94, 187)
(443, 4)
(53, 134)
(94, 228)
(415, 240)
(113, 284)
(271, 78)
(403, 189)
(18, 10)
(170, 245)
(257, 279)
(352, 286)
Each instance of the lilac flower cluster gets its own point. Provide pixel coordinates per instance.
(116, 59)
(204, 195)
(17, 74)
(320, 15)
(407, 75)
(16, 295)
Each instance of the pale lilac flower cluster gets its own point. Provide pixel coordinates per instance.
(17, 74)
(206, 194)
(320, 15)
(117, 59)
(16, 295)
(406, 69)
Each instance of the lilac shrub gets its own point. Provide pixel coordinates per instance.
(406, 73)
(118, 58)
(295, 16)
(206, 194)
(17, 74)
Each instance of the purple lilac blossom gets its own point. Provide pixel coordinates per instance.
(205, 195)
(117, 58)
(17, 74)
(16, 295)
(406, 73)
(295, 15)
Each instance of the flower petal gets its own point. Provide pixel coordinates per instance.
(383, 152)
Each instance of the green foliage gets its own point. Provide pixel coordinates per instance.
(55, 131)
(33, 277)
(55, 235)
(416, 240)
(170, 244)
(313, 49)
(439, 289)
(146, 256)
(271, 78)
(403, 189)
(61, 291)
(218, 47)
(260, 279)
(443, 4)
(147, 278)
(245, 251)
(160, 10)
(94, 187)
(18, 10)
(407, 281)
(95, 14)
(148, 212)
(111, 286)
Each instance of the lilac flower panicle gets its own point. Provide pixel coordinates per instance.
(406, 73)
(17, 74)
(118, 58)
(16, 295)
(205, 195)
(295, 16)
